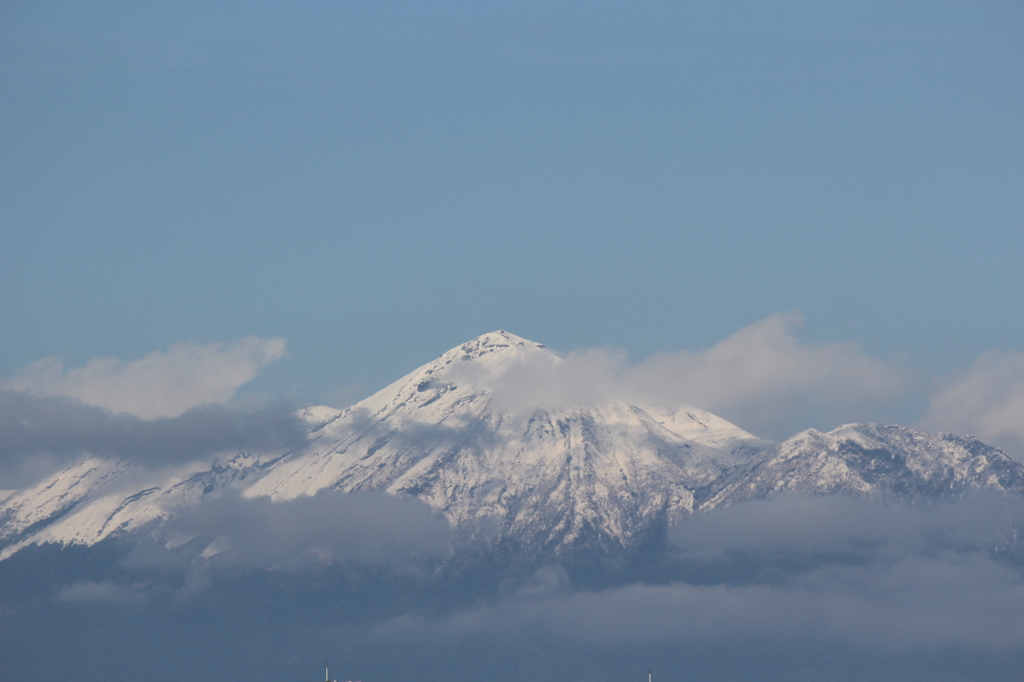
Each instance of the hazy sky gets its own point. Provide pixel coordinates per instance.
(791, 214)
(378, 182)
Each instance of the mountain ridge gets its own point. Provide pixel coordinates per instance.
(473, 436)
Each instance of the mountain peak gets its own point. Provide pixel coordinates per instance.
(477, 435)
(499, 341)
(489, 354)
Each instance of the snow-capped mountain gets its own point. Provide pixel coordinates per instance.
(871, 460)
(453, 433)
(477, 436)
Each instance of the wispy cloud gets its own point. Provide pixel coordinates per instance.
(161, 384)
(372, 527)
(90, 591)
(985, 400)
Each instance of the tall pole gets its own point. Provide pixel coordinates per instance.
(648, 675)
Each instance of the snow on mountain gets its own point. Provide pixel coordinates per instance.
(871, 460)
(546, 475)
(474, 435)
(24, 512)
(99, 497)
(452, 434)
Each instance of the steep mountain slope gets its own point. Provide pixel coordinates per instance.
(99, 498)
(450, 434)
(467, 434)
(486, 436)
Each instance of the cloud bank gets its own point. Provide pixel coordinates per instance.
(58, 426)
(884, 579)
(970, 602)
(162, 384)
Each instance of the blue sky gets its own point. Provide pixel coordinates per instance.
(378, 182)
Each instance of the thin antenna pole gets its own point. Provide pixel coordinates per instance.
(648, 675)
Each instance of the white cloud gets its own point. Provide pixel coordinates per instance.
(160, 384)
(768, 381)
(763, 378)
(985, 400)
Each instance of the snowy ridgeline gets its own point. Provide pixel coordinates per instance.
(483, 437)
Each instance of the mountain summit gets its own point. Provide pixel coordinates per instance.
(470, 433)
(453, 434)
(486, 437)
